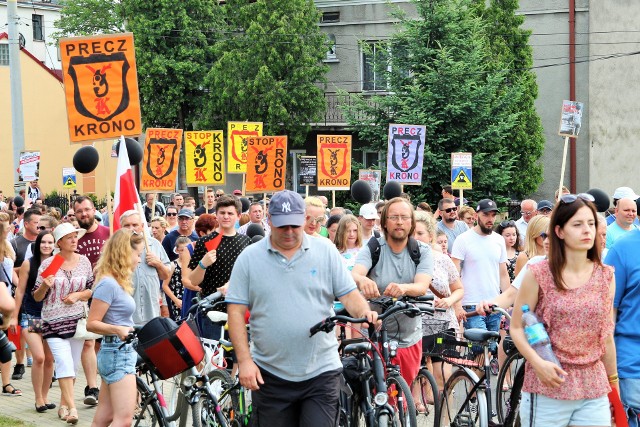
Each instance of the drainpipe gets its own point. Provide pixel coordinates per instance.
(572, 90)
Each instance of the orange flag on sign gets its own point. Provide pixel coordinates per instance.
(266, 164)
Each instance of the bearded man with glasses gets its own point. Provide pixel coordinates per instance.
(449, 224)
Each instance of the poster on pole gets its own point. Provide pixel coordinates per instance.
(373, 178)
(405, 154)
(266, 164)
(29, 169)
(308, 171)
(101, 86)
(159, 171)
(204, 157)
(571, 118)
(69, 178)
(334, 162)
(237, 134)
(461, 171)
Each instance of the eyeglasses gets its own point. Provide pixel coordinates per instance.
(544, 235)
(570, 198)
(508, 223)
(317, 220)
(453, 209)
(172, 214)
(184, 218)
(396, 218)
(526, 213)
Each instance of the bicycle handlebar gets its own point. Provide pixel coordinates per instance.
(494, 309)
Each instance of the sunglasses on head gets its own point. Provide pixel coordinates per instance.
(508, 223)
(570, 198)
(453, 209)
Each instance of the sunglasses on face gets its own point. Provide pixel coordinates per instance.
(42, 228)
(453, 209)
(317, 220)
(570, 198)
(172, 214)
(544, 235)
(508, 223)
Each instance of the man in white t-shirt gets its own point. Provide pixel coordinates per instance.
(481, 257)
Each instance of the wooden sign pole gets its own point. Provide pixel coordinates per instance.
(333, 198)
(461, 204)
(564, 164)
(306, 192)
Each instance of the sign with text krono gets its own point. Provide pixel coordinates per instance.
(101, 86)
(237, 134)
(160, 160)
(334, 162)
(406, 153)
(204, 156)
(266, 164)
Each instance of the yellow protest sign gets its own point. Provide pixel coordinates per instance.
(237, 134)
(266, 164)
(101, 86)
(159, 170)
(334, 162)
(204, 155)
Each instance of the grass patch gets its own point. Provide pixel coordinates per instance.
(12, 422)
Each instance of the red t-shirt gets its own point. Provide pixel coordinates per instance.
(90, 245)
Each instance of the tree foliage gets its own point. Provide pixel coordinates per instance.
(88, 17)
(267, 65)
(443, 73)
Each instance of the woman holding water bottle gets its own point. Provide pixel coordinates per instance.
(572, 293)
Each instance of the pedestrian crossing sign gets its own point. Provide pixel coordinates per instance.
(461, 171)
(69, 178)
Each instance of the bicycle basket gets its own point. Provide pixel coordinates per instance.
(431, 326)
(168, 348)
(458, 352)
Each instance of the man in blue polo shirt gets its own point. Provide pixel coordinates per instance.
(288, 282)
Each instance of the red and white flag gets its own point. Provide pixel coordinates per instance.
(126, 195)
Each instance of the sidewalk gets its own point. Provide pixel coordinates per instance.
(23, 407)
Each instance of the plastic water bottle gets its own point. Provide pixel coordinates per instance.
(537, 335)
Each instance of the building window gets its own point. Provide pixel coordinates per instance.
(374, 66)
(330, 17)
(37, 22)
(331, 50)
(4, 54)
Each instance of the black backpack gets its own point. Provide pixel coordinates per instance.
(374, 248)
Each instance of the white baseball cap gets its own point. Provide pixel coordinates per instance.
(368, 211)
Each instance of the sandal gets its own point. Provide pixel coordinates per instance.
(63, 412)
(72, 418)
(420, 408)
(14, 392)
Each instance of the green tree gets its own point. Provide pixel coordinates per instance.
(88, 17)
(268, 64)
(441, 73)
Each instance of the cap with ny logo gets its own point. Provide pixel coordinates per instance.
(287, 208)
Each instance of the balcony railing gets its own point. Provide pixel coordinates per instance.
(334, 115)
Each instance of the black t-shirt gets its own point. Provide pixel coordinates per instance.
(20, 245)
(201, 210)
(219, 272)
(147, 212)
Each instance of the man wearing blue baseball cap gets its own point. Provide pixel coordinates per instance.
(289, 282)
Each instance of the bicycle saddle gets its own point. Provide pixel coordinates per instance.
(480, 335)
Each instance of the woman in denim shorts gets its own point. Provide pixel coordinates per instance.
(42, 369)
(111, 315)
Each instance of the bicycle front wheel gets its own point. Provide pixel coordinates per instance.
(148, 412)
(427, 405)
(206, 413)
(460, 407)
(509, 399)
(402, 401)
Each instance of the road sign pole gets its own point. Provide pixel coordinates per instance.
(461, 204)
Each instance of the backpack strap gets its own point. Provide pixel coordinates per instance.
(414, 250)
(374, 249)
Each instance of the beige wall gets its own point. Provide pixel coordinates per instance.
(614, 100)
(45, 122)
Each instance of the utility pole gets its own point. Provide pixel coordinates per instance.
(15, 76)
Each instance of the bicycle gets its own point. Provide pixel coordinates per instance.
(196, 389)
(381, 397)
(509, 385)
(466, 399)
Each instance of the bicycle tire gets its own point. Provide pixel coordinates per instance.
(513, 418)
(401, 399)
(204, 413)
(429, 398)
(149, 413)
(453, 411)
(172, 393)
(222, 385)
(508, 385)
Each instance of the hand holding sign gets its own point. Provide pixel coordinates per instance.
(211, 245)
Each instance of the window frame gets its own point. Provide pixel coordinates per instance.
(37, 22)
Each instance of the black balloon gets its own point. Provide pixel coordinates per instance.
(245, 204)
(392, 189)
(134, 150)
(361, 191)
(18, 201)
(256, 238)
(255, 230)
(602, 199)
(86, 159)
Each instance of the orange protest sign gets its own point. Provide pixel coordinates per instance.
(204, 155)
(101, 86)
(237, 134)
(159, 170)
(334, 162)
(266, 164)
